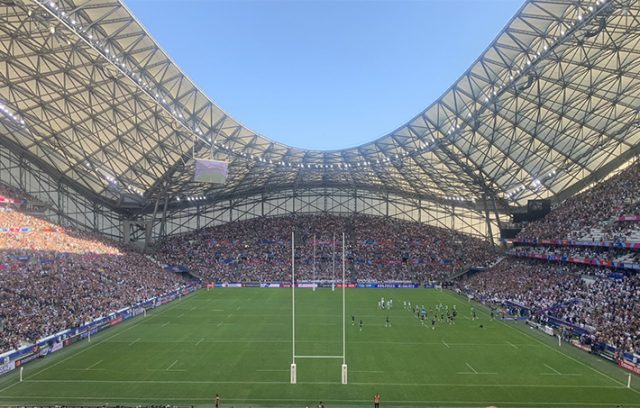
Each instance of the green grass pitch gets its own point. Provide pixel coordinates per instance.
(237, 343)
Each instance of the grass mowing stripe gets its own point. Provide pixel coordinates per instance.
(399, 343)
(348, 401)
(364, 384)
(250, 357)
(576, 360)
(273, 371)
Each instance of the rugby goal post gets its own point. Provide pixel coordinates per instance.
(293, 368)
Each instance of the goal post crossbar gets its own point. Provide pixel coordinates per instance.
(334, 357)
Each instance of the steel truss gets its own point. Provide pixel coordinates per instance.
(335, 201)
(89, 98)
(65, 206)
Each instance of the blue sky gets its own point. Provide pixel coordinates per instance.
(323, 74)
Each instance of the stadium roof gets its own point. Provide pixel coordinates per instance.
(552, 103)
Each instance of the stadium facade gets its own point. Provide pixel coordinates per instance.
(99, 124)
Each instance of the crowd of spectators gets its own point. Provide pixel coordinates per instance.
(259, 250)
(591, 209)
(600, 253)
(617, 231)
(604, 303)
(608, 307)
(54, 278)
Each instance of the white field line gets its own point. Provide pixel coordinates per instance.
(367, 384)
(445, 343)
(512, 345)
(165, 370)
(474, 372)
(135, 341)
(182, 314)
(199, 341)
(171, 366)
(522, 333)
(9, 386)
(225, 319)
(165, 324)
(563, 375)
(399, 343)
(86, 369)
(467, 373)
(93, 365)
(422, 402)
(553, 369)
(572, 358)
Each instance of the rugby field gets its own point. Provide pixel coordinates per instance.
(237, 343)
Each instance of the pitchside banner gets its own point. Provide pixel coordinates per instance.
(210, 171)
(388, 285)
(7, 367)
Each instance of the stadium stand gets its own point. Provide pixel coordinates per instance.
(595, 255)
(54, 278)
(581, 271)
(593, 213)
(601, 303)
(379, 249)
